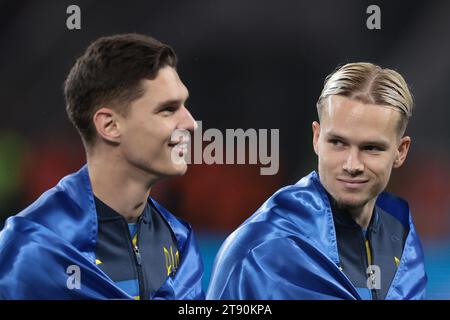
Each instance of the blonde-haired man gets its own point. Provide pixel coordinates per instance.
(335, 234)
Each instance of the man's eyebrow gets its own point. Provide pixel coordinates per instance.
(380, 142)
(332, 135)
(172, 102)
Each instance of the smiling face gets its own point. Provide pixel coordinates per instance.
(357, 146)
(145, 140)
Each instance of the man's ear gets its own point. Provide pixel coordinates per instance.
(402, 151)
(105, 121)
(316, 134)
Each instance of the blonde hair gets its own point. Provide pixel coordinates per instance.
(370, 84)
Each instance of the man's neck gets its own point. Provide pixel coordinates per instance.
(363, 215)
(360, 216)
(122, 188)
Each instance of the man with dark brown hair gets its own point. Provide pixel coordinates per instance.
(98, 234)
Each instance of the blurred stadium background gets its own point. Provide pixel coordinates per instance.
(248, 64)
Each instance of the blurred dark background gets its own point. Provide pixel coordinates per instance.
(247, 64)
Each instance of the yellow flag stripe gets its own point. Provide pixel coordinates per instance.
(369, 253)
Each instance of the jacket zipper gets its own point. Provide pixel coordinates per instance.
(368, 239)
(138, 260)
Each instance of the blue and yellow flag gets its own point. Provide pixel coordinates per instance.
(48, 250)
(288, 250)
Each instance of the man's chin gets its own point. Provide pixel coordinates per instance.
(350, 203)
(180, 169)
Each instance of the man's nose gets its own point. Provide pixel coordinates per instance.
(352, 163)
(187, 122)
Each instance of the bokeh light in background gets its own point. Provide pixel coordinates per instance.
(247, 64)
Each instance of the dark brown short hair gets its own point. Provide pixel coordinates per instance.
(111, 72)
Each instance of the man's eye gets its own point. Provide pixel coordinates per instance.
(167, 111)
(336, 143)
(372, 148)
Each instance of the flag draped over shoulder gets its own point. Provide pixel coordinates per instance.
(42, 247)
(288, 250)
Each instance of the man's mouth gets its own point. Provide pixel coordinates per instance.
(352, 183)
(180, 147)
